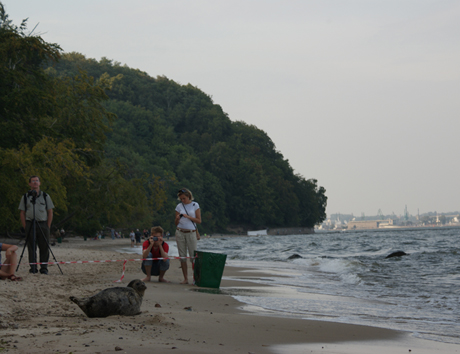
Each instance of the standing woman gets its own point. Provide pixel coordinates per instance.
(132, 236)
(188, 214)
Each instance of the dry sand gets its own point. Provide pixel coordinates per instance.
(38, 317)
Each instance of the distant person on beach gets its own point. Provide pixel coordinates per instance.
(188, 214)
(132, 236)
(155, 247)
(11, 261)
(138, 237)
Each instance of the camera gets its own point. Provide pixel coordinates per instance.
(32, 193)
(155, 238)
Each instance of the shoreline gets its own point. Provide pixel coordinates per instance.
(189, 320)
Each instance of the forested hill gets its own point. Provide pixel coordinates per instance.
(177, 132)
(113, 145)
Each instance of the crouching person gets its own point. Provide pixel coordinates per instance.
(155, 247)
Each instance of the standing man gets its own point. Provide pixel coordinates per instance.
(138, 236)
(44, 217)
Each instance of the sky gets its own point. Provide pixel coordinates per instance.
(361, 95)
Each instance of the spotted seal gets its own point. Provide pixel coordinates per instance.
(114, 301)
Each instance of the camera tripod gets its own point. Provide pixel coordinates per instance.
(33, 232)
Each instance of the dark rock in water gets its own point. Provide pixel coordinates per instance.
(295, 256)
(396, 254)
(114, 301)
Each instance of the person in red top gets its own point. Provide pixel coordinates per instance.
(155, 247)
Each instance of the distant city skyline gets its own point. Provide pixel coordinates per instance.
(332, 215)
(360, 95)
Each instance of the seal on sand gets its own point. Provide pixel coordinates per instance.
(114, 301)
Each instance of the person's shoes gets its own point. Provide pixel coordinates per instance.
(44, 271)
(33, 270)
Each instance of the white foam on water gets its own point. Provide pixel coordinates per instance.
(338, 266)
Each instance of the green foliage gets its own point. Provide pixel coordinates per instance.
(26, 92)
(79, 113)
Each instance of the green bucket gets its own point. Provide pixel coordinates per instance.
(209, 268)
(59, 239)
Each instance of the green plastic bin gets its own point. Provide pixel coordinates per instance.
(209, 268)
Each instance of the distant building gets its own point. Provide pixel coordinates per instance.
(386, 223)
(363, 224)
(369, 224)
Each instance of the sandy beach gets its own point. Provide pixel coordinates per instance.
(38, 317)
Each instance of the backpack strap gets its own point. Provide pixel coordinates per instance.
(44, 197)
(46, 203)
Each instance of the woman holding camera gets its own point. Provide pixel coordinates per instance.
(188, 214)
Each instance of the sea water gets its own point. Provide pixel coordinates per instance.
(345, 277)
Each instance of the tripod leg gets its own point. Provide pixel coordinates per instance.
(29, 243)
(42, 245)
(23, 249)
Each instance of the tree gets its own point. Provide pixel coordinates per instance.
(79, 113)
(26, 92)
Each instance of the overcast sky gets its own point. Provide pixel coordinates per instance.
(363, 96)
